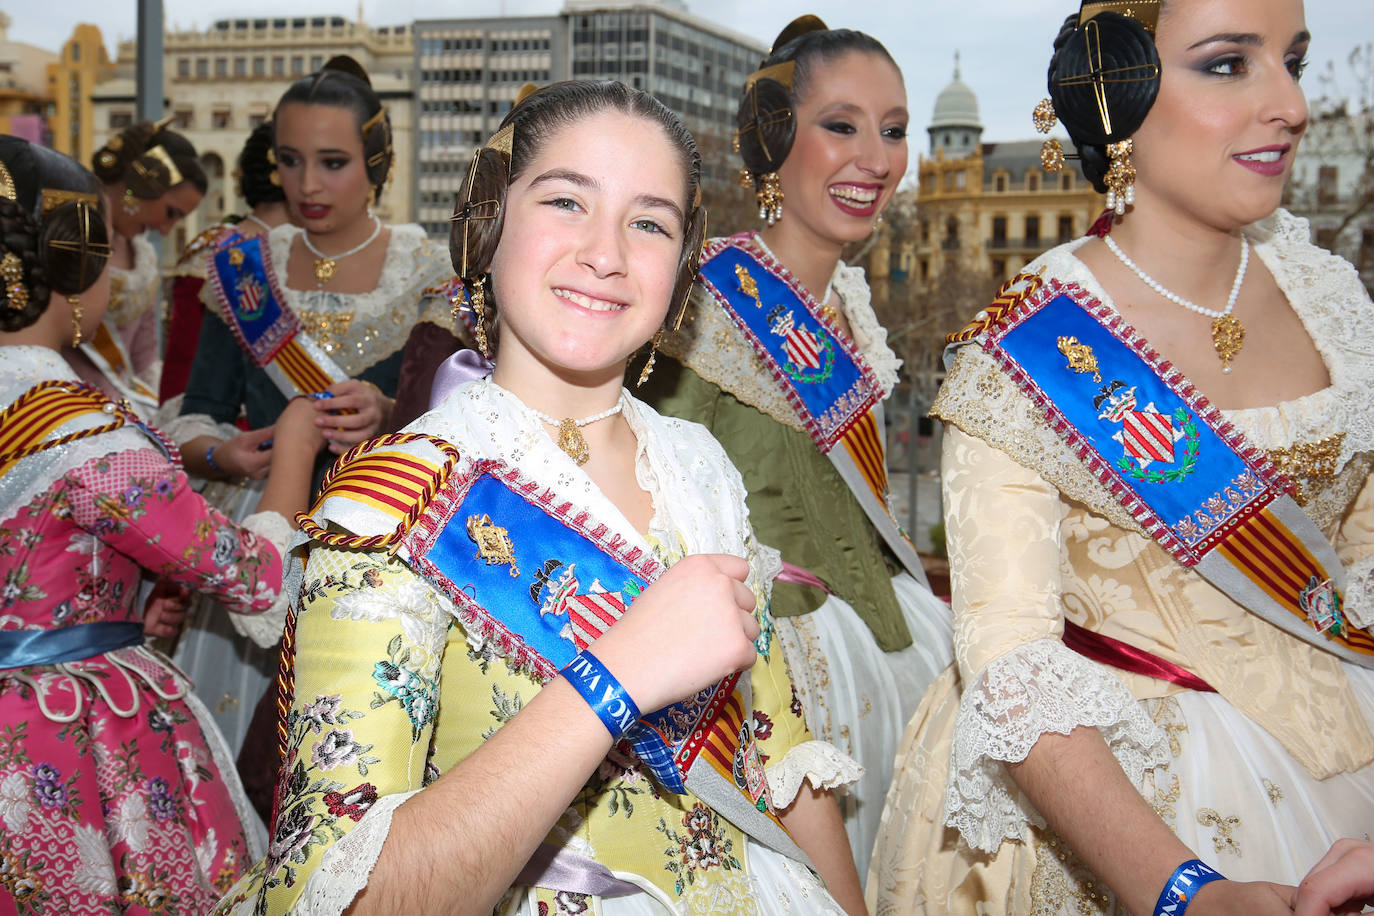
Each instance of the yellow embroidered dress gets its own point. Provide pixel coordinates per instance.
(1258, 778)
(391, 690)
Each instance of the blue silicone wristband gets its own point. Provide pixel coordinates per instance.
(210, 460)
(603, 693)
(1183, 886)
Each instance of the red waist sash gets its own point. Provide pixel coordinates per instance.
(1108, 651)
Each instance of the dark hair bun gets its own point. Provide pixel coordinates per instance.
(767, 125)
(256, 169)
(1131, 64)
(796, 28)
(115, 161)
(342, 63)
(479, 213)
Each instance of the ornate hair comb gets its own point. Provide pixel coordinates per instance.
(1145, 12)
(159, 152)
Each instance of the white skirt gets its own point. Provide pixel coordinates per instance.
(858, 697)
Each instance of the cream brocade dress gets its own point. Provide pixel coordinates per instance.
(1257, 779)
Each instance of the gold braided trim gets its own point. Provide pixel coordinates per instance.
(366, 463)
(1013, 293)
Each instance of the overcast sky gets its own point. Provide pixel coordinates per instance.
(1004, 44)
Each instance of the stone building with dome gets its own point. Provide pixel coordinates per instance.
(987, 208)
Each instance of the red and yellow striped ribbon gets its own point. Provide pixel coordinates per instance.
(391, 482)
(26, 424)
(300, 369)
(1277, 562)
(723, 740)
(1013, 293)
(862, 442)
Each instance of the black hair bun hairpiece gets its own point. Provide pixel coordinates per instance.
(797, 28)
(345, 64)
(1104, 78)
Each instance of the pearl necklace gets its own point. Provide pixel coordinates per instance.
(266, 227)
(570, 438)
(1228, 334)
(327, 264)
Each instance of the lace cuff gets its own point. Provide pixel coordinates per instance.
(265, 629)
(190, 426)
(1359, 593)
(817, 762)
(346, 866)
(1035, 689)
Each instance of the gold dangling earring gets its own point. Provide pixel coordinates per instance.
(479, 312)
(1120, 178)
(76, 319)
(649, 366)
(769, 195)
(129, 203)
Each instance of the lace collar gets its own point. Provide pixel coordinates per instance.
(402, 240)
(23, 365)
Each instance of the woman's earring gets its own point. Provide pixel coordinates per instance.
(1120, 177)
(1051, 151)
(769, 195)
(129, 204)
(479, 314)
(649, 366)
(76, 319)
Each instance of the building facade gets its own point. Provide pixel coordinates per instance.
(1333, 185)
(983, 207)
(222, 82)
(25, 93)
(73, 80)
(469, 71)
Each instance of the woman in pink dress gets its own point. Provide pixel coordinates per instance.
(116, 796)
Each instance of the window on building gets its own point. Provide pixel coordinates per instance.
(184, 67)
(1066, 181)
(999, 268)
(925, 269)
(1033, 181)
(76, 51)
(221, 66)
(1000, 182)
(925, 230)
(316, 62)
(220, 119)
(256, 119)
(259, 66)
(1328, 184)
(297, 65)
(202, 67)
(240, 66)
(1032, 230)
(1065, 228)
(952, 232)
(999, 232)
(121, 119)
(183, 119)
(279, 66)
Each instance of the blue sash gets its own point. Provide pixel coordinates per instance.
(22, 648)
(1193, 483)
(543, 580)
(823, 378)
(253, 304)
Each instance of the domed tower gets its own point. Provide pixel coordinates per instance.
(954, 127)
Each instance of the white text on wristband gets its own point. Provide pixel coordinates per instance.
(603, 693)
(1183, 885)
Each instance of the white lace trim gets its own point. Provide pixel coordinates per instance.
(1035, 689)
(1359, 592)
(817, 762)
(265, 628)
(134, 291)
(184, 428)
(346, 866)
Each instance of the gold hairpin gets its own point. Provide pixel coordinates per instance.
(101, 249)
(51, 198)
(1099, 78)
(1145, 12)
(7, 189)
(159, 152)
(373, 121)
(469, 211)
(525, 92)
(503, 141)
(782, 73)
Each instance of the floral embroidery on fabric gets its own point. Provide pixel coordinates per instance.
(417, 694)
(701, 848)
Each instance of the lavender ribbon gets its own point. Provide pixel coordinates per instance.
(561, 869)
(459, 369)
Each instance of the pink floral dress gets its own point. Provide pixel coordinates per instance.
(116, 796)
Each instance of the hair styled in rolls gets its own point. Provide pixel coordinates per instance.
(256, 168)
(62, 249)
(125, 159)
(1128, 50)
(766, 117)
(534, 120)
(343, 83)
